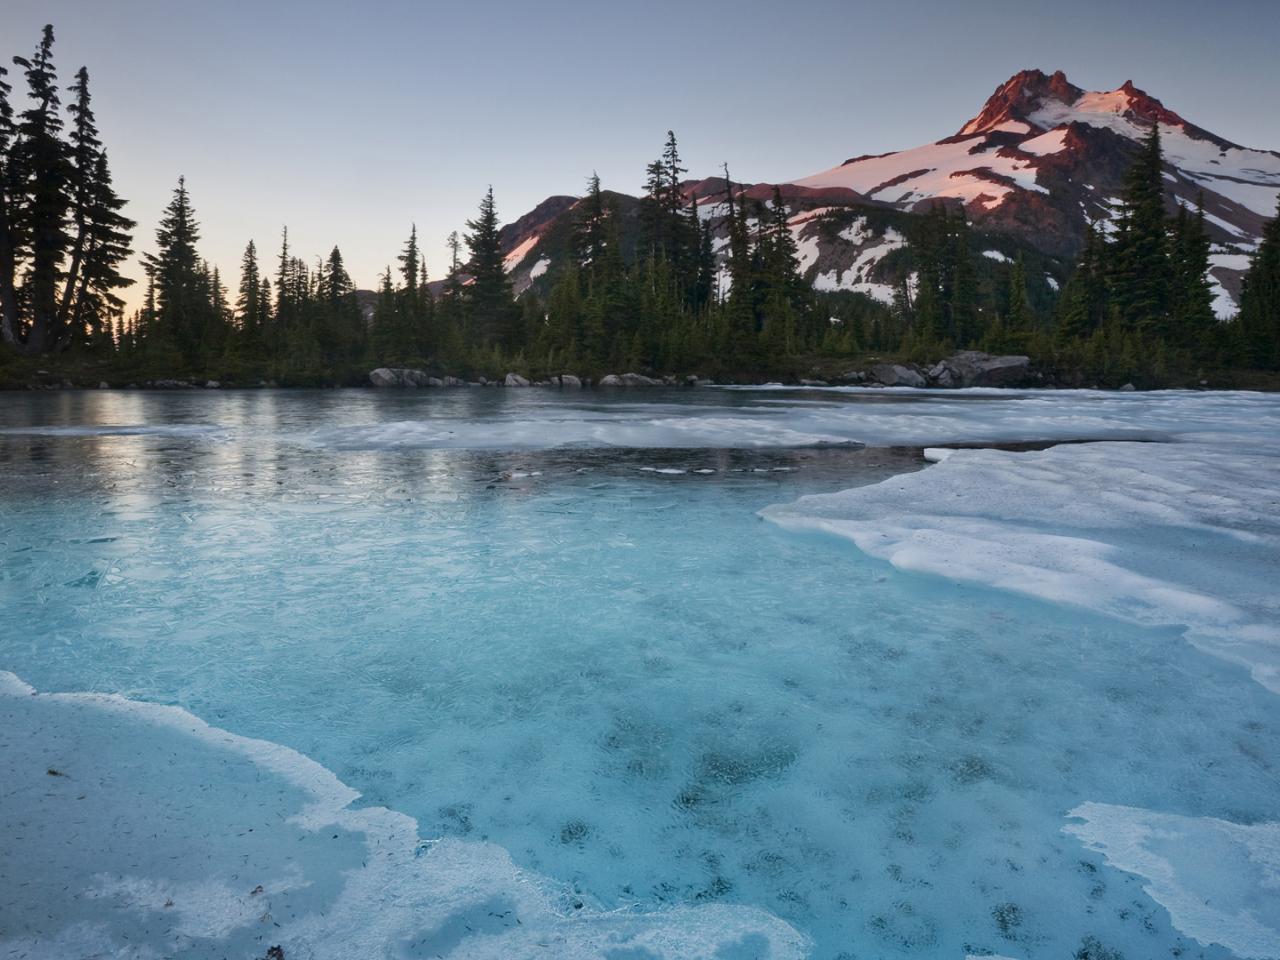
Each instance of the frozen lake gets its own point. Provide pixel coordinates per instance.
(724, 673)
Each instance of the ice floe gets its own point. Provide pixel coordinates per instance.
(1220, 881)
(209, 843)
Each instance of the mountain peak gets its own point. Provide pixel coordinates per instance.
(1044, 101)
(1019, 96)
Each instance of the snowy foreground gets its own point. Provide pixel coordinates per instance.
(1054, 715)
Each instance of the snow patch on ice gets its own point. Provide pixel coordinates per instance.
(1220, 881)
(1183, 534)
(376, 886)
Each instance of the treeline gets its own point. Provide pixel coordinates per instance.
(62, 235)
(676, 283)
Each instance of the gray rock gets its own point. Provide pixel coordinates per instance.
(569, 381)
(972, 368)
(628, 380)
(103, 385)
(454, 382)
(515, 380)
(1128, 388)
(814, 383)
(398, 377)
(639, 380)
(940, 375)
(896, 375)
(434, 382)
(852, 376)
(212, 385)
(170, 384)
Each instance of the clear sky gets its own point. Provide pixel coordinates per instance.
(350, 121)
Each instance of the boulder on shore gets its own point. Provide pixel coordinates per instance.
(399, 377)
(568, 381)
(972, 368)
(515, 380)
(629, 380)
(896, 375)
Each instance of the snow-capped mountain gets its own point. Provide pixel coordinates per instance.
(1039, 162)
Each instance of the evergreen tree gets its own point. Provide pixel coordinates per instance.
(1260, 301)
(490, 301)
(966, 319)
(384, 338)
(251, 307)
(86, 148)
(42, 171)
(1191, 316)
(589, 225)
(1019, 318)
(1083, 306)
(175, 270)
(932, 320)
(1140, 278)
(105, 243)
(9, 321)
(340, 331)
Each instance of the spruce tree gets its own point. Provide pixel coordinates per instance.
(86, 148)
(42, 169)
(411, 332)
(1191, 316)
(966, 320)
(106, 243)
(341, 335)
(1140, 278)
(1260, 301)
(250, 308)
(175, 269)
(490, 301)
(1083, 306)
(10, 330)
(1019, 318)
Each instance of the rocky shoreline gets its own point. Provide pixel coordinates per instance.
(968, 368)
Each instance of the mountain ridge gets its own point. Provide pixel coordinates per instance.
(1040, 162)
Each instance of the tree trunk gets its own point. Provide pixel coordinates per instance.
(8, 294)
(73, 275)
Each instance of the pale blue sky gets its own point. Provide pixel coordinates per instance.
(350, 121)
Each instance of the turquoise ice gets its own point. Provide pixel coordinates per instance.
(487, 673)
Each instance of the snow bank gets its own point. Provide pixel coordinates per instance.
(250, 844)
